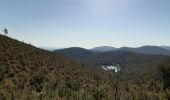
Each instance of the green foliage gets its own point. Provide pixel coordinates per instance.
(165, 70)
(75, 86)
(63, 92)
(98, 95)
(2, 96)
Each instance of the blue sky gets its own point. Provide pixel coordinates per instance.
(87, 23)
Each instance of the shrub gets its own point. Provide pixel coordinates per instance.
(98, 95)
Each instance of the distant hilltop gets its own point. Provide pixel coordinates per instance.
(157, 50)
(153, 50)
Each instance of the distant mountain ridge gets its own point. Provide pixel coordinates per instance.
(156, 50)
(103, 49)
(165, 47)
(125, 57)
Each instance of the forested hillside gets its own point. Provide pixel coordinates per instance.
(140, 73)
(124, 58)
(29, 73)
(153, 50)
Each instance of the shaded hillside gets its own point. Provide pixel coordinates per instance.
(75, 53)
(139, 76)
(147, 50)
(28, 71)
(166, 47)
(125, 57)
(129, 61)
(119, 56)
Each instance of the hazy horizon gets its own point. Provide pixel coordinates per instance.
(55, 48)
(87, 23)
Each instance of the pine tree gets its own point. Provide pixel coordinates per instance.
(5, 31)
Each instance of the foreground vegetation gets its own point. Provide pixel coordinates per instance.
(29, 73)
